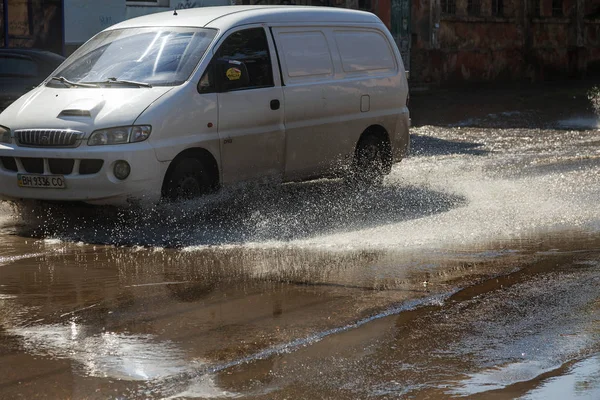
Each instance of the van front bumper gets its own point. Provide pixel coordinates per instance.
(91, 178)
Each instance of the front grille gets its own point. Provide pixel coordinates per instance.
(56, 166)
(61, 166)
(48, 137)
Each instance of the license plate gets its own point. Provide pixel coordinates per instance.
(41, 181)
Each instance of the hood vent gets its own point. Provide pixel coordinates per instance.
(75, 113)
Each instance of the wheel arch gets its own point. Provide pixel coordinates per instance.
(382, 135)
(203, 155)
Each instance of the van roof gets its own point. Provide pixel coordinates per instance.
(224, 17)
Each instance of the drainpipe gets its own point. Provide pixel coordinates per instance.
(62, 22)
(5, 9)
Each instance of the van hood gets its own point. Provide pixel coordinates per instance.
(83, 109)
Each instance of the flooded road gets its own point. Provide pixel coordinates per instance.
(474, 271)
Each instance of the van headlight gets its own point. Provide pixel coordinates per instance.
(120, 135)
(4, 135)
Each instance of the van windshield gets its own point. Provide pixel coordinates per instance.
(164, 56)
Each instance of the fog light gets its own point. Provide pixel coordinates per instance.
(122, 169)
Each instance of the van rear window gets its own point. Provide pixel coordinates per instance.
(363, 50)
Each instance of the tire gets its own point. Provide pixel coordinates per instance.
(368, 167)
(188, 179)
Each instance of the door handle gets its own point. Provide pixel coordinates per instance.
(275, 104)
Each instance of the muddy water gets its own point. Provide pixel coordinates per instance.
(473, 271)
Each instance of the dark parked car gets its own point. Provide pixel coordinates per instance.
(22, 69)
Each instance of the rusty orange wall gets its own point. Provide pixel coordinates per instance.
(383, 9)
(516, 46)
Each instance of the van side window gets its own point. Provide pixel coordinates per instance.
(207, 84)
(375, 54)
(306, 55)
(250, 46)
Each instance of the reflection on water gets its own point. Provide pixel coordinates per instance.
(203, 387)
(574, 380)
(501, 377)
(580, 381)
(530, 329)
(106, 354)
(172, 318)
(580, 123)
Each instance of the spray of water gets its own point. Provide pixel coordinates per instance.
(460, 186)
(594, 98)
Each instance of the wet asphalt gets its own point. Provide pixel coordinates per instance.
(473, 272)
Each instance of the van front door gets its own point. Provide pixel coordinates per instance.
(251, 119)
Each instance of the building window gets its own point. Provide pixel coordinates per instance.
(448, 6)
(364, 5)
(557, 8)
(474, 7)
(148, 3)
(594, 13)
(537, 8)
(498, 8)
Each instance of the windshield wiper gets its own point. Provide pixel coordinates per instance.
(115, 81)
(69, 83)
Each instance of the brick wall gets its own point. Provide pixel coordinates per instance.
(469, 40)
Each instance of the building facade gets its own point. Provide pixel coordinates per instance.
(490, 40)
(441, 41)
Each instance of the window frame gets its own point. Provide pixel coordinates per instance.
(448, 7)
(498, 8)
(558, 8)
(364, 5)
(474, 8)
(369, 71)
(292, 79)
(215, 85)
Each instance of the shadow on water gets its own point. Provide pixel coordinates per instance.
(249, 214)
(422, 145)
(548, 105)
(561, 166)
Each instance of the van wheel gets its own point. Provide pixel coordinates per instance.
(188, 179)
(368, 167)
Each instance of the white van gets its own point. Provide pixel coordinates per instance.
(173, 105)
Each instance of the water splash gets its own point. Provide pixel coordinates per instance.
(460, 187)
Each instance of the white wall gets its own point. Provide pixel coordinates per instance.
(85, 18)
(176, 4)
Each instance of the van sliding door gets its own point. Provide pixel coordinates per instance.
(314, 143)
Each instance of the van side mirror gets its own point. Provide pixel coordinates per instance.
(231, 75)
